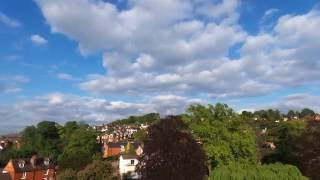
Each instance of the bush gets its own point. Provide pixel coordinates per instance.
(68, 174)
(237, 171)
(98, 170)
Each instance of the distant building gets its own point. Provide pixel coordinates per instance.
(127, 165)
(114, 149)
(10, 140)
(4, 175)
(269, 144)
(316, 117)
(30, 169)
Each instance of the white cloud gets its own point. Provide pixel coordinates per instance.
(13, 23)
(179, 53)
(61, 107)
(298, 102)
(66, 76)
(12, 84)
(38, 40)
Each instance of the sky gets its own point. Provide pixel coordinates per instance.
(101, 60)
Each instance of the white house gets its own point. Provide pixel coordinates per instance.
(127, 165)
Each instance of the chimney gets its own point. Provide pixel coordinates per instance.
(33, 161)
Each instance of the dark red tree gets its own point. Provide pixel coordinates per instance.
(170, 152)
(310, 151)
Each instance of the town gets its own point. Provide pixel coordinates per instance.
(117, 147)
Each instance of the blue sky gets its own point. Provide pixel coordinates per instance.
(97, 61)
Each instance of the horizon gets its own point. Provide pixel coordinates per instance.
(129, 57)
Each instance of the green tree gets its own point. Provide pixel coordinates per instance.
(243, 171)
(306, 112)
(82, 146)
(139, 135)
(74, 160)
(68, 174)
(97, 170)
(288, 136)
(224, 135)
(43, 139)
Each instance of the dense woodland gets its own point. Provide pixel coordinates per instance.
(229, 145)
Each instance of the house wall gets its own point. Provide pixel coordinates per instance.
(125, 165)
(111, 151)
(41, 174)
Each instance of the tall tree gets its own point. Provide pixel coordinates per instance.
(97, 170)
(306, 112)
(310, 151)
(170, 152)
(81, 147)
(43, 139)
(223, 133)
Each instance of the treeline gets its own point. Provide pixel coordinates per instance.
(229, 138)
(137, 120)
(72, 146)
(233, 145)
(211, 142)
(275, 114)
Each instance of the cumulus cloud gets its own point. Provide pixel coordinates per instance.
(298, 102)
(13, 23)
(185, 50)
(12, 84)
(66, 76)
(38, 40)
(64, 107)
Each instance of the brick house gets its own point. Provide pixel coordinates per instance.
(114, 149)
(316, 117)
(30, 169)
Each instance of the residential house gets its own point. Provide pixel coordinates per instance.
(4, 175)
(114, 149)
(31, 169)
(316, 117)
(127, 166)
(10, 140)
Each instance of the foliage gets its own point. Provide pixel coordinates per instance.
(139, 135)
(68, 174)
(223, 133)
(75, 160)
(306, 112)
(12, 153)
(310, 151)
(269, 115)
(73, 145)
(43, 139)
(82, 140)
(80, 149)
(170, 152)
(145, 119)
(242, 171)
(97, 170)
(289, 134)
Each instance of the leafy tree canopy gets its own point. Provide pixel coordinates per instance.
(224, 134)
(242, 171)
(170, 152)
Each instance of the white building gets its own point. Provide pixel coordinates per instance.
(127, 165)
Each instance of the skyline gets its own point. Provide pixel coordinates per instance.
(97, 61)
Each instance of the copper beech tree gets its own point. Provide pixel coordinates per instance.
(170, 152)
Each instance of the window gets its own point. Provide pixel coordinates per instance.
(132, 162)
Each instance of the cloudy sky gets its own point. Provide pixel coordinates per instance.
(99, 60)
